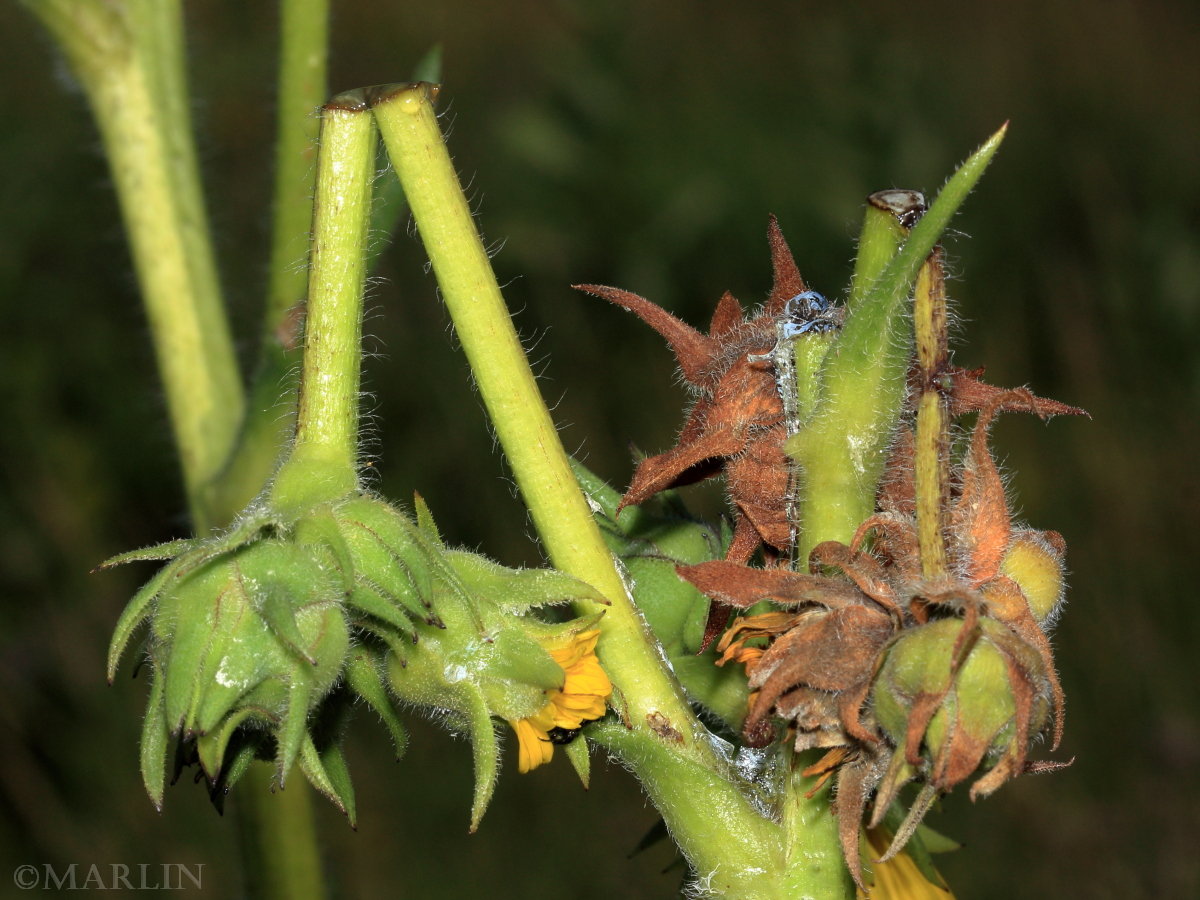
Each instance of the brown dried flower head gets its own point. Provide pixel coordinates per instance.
(864, 618)
(736, 424)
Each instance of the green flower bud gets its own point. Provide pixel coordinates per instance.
(488, 657)
(253, 635)
(1035, 563)
(249, 632)
(953, 697)
(250, 636)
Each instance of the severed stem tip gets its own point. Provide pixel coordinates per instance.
(906, 206)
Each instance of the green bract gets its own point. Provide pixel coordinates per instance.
(259, 638)
(485, 656)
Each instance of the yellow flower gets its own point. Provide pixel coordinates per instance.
(580, 700)
(898, 878)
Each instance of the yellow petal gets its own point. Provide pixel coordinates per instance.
(579, 647)
(899, 878)
(534, 747)
(593, 681)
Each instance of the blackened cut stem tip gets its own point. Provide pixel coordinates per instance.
(907, 206)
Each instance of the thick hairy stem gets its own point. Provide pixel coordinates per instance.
(862, 384)
(659, 736)
(304, 29)
(271, 409)
(839, 452)
(813, 865)
(129, 59)
(510, 393)
(322, 465)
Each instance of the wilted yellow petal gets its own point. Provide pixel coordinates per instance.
(899, 878)
(534, 747)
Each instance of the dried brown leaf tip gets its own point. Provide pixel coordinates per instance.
(736, 424)
(899, 674)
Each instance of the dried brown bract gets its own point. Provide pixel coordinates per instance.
(736, 425)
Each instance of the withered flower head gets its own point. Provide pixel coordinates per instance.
(736, 425)
(904, 676)
(817, 671)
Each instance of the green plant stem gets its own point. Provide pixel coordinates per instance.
(813, 864)
(271, 410)
(161, 46)
(128, 58)
(660, 737)
(506, 383)
(322, 464)
(932, 438)
(812, 854)
(842, 453)
(734, 855)
(271, 414)
(841, 450)
(303, 56)
(836, 452)
(279, 838)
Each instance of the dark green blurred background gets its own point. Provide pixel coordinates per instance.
(641, 145)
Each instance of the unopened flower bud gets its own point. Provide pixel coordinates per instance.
(952, 700)
(1036, 565)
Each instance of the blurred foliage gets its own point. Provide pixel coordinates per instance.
(640, 145)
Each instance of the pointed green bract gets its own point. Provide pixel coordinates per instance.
(168, 550)
(293, 729)
(211, 747)
(189, 619)
(327, 772)
(519, 590)
(486, 756)
(425, 520)
(274, 602)
(384, 571)
(371, 599)
(154, 744)
(841, 452)
(362, 676)
(899, 274)
(132, 616)
(601, 495)
(238, 757)
(581, 760)
(520, 658)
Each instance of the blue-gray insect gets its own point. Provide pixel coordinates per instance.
(806, 313)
